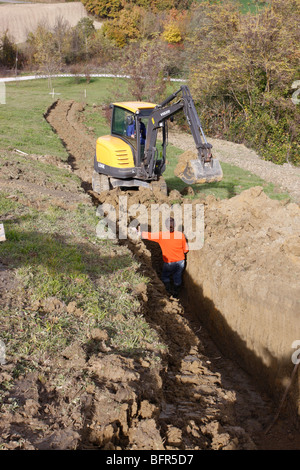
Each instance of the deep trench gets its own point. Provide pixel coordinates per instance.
(251, 403)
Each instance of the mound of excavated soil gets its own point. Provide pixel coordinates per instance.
(184, 160)
(64, 117)
(247, 279)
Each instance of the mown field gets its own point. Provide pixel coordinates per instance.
(251, 5)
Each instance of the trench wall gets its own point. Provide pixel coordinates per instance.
(244, 287)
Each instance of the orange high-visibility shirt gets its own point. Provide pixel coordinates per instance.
(173, 244)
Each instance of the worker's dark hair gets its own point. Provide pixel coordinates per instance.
(130, 119)
(170, 221)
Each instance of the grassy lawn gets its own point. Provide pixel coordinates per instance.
(235, 180)
(22, 123)
(251, 5)
(68, 282)
(248, 5)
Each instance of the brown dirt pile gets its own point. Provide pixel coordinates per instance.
(247, 278)
(107, 412)
(64, 117)
(183, 161)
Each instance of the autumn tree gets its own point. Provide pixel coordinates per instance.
(145, 64)
(175, 26)
(126, 27)
(82, 34)
(112, 8)
(60, 33)
(103, 8)
(151, 25)
(8, 51)
(46, 54)
(102, 51)
(241, 71)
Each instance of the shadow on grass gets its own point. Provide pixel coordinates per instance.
(223, 189)
(56, 255)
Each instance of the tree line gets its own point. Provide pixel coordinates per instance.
(240, 67)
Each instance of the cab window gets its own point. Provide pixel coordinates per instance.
(122, 119)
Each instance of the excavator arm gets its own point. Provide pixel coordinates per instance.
(201, 170)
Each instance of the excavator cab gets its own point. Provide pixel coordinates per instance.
(119, 157)
(130, 122)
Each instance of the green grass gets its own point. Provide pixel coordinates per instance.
(251, 5)
(57, 259)
(248, 5)
(235, 180)
(73, 267)
(22, 123)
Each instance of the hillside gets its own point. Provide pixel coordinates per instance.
(98, 356)
(95, 354)
(19, 19)
(135, 370)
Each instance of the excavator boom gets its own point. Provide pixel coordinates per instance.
(205, 168)
(134, 153)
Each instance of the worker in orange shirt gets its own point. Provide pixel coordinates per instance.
(174, 248)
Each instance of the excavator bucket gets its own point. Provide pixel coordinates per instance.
(199, 172)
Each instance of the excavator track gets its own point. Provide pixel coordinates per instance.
(100, 183)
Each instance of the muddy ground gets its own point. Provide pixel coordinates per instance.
(198, 399)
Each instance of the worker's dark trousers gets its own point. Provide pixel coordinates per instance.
(173, 271)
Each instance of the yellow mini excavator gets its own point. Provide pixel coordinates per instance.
(134, 154)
